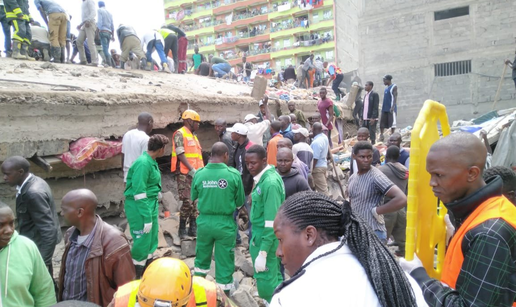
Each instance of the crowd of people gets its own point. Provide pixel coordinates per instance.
(26, 39)
(272, 172)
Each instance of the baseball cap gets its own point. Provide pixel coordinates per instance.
(388, 77)
(238, 128)
(248, 117)
(303, 131)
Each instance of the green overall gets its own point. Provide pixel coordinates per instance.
(141, 205)
(219, 191)
(267, 196)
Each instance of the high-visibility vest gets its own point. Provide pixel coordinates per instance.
(337, 70)
(204, 294)
(495, 207)
(193, 152)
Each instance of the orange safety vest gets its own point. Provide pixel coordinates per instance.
(204, 293)
(337, 71)
(193, 152)
(495, 207)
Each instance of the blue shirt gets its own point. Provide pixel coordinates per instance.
(48, 6)
(105, 20)
(320, 147)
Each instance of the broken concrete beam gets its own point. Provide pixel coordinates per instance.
(259, 88)
(28, 149)
(243, 297)
(188, 247)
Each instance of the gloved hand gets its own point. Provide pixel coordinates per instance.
(450, 229)
(31, 20)
(191, 173)
(147, 227)
(409, 266)
(260, 264)
(378, 217)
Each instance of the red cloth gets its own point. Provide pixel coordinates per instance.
(84, 150)
(182, 45)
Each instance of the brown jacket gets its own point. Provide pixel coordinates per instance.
(108, 266)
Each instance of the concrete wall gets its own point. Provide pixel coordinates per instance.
(347, 14)
(402, 38)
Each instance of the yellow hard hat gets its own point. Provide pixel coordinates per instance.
(191, 114)
(166, 280)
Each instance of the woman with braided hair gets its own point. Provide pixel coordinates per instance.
(355, 270)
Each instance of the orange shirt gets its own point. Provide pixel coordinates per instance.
(272, 149)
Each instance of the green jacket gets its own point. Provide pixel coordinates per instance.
(144, 185)
(24, 275)
(268, 195)
(219, 189)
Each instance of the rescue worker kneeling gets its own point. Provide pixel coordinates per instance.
(167, 282)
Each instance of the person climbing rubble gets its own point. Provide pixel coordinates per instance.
(168, 282)
(141, 202)
(130, 44)
(186, 160)
(153, 41)
(220, 191)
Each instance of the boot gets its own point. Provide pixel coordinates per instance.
(149, 66)
(182, 228)
(25, 52)
(139, 271)
(63, 55)
(166, 69)
(46, 55)
(192, 230)
(56, 53)
(16, 51)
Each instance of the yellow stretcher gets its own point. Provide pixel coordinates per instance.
(426, 231)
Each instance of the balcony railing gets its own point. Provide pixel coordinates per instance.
(258, 51)
(305, 43)
(289, 25)
(226, 40)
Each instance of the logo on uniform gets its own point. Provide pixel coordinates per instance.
(223, 183)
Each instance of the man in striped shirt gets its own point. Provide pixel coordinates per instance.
(367, 188)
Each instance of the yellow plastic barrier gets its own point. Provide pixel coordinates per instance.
(426, 229)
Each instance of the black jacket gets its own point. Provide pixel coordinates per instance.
(372, 109)
(123, 32)
(37, 217)
(178, 31)
(238, 162)
(294, 182)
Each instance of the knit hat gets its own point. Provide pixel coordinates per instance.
(102, 4)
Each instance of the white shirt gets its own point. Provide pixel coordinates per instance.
(134, 144)
(18, 188)
(256, 131)
(39, 34)
(89, 11)
(148, 37)
(336, 279)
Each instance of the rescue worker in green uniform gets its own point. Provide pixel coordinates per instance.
(18, 15)
(141, 202)
(267, 196)
(219, 191)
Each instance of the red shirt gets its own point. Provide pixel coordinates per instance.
(323, 105)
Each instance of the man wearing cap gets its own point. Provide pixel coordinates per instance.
(186, 160)
(255, 128)
(389, 107)
(239, 136)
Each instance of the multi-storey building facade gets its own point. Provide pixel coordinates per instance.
(271, 32)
